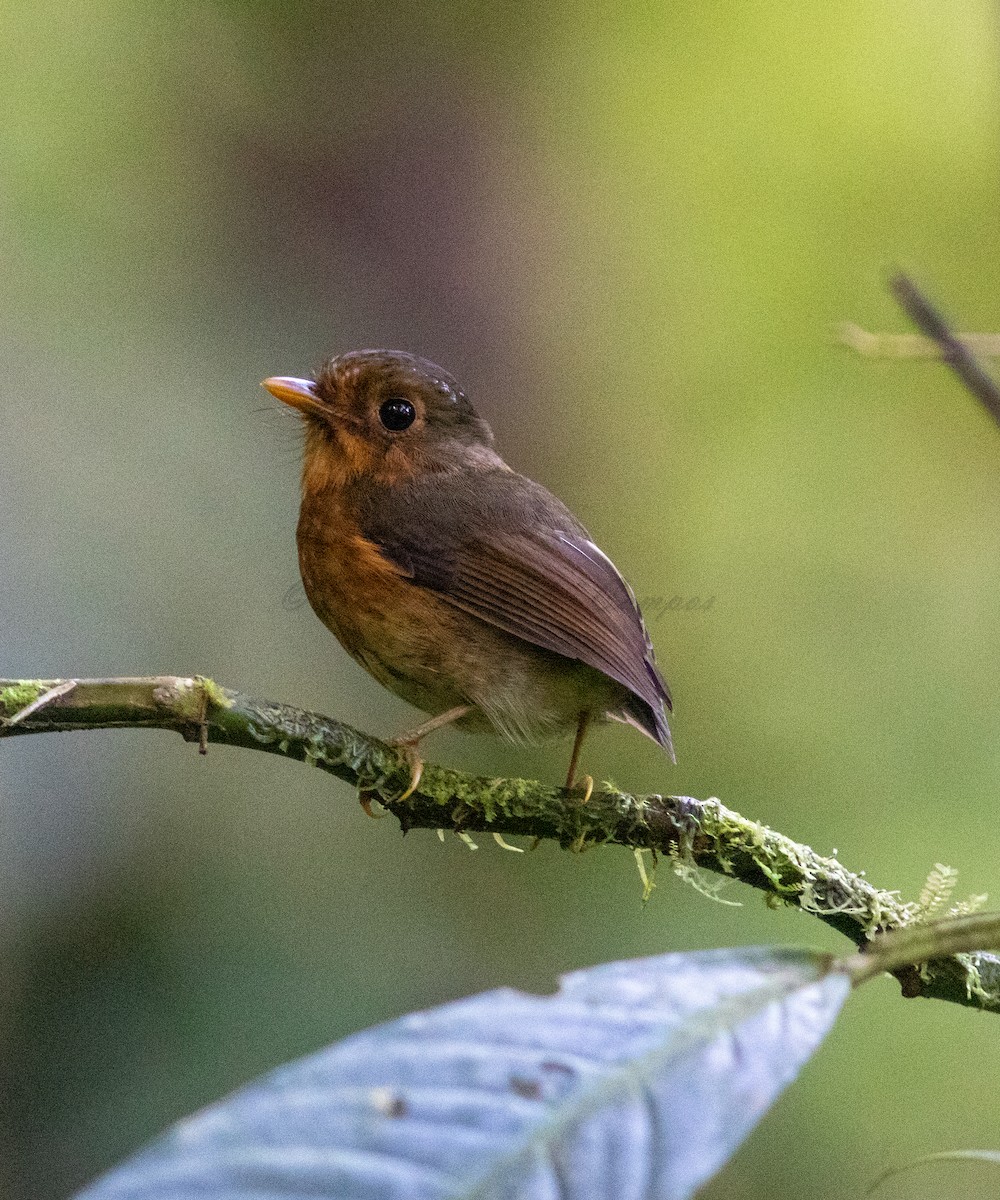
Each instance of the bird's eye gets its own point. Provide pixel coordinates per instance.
(397, 414)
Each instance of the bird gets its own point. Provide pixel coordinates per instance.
(463, 587)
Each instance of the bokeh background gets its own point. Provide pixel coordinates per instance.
(631, 231)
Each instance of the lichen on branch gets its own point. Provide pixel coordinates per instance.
(702, 834)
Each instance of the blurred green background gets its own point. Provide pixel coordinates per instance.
(630, 230)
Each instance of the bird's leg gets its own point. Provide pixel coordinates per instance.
(581, 731)
(407, 742)
(417, 735)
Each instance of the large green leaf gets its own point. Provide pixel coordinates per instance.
(637, 1079)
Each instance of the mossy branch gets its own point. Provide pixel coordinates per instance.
(692, 833)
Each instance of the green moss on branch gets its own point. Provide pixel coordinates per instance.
(16, 696)
(693, 833)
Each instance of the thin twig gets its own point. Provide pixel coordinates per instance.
(42, 701)
(955, 353)
(690, 834)
(911, 345)
(919, 942)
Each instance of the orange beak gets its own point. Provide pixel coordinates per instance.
(299, 393)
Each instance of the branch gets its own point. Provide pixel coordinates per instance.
(693, 834)
(935, 340)
(955, 352)
(911, 345)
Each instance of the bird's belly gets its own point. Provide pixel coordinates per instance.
(395, 630)
(436, 656)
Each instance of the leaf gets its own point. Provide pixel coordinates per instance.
(637, 1079)
(986, 1156)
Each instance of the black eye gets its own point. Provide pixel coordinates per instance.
(397, 414)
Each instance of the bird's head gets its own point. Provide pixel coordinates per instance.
(386, 415)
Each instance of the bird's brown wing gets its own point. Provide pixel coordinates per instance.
(504, 549)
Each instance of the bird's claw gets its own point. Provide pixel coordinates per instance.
(365, 799)
(409, 751)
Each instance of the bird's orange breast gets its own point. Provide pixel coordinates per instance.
(402, 634)
(351, 585)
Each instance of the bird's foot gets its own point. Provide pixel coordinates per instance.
(366, 799)
(407, 746)
(406, 743)
(586, 782)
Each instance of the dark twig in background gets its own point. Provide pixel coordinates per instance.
(955, 352)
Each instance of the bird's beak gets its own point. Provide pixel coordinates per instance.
(299, 393)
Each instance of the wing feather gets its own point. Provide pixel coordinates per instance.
(505, 550)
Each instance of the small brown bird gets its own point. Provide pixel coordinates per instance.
(463, 587)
